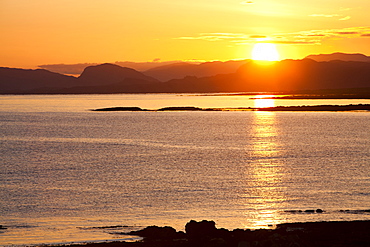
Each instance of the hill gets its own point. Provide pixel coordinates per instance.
(77, 69)
(339, 56)
(162, 71)
(183, 69)
(13, 80)
(22, 80)
(106, 74)
(283, 76)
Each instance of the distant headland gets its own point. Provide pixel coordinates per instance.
(359, 107)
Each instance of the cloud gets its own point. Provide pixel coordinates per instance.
(308, 37)
(345, 18)
(293, 42)
(316, 35)
(323, 15)
(247, 2)
(217, 36)
(347, 32)
(344, 9)
(332, 33)
(257, 36)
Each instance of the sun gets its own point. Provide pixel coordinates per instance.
(265, 52)
(262, 101)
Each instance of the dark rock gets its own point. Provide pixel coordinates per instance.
(293, 211)
(133, 108)
(205, 234)
(319, 211)
(156, 232)
(202, 229)
(180, 108)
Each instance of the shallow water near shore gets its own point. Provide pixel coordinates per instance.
(72, 175)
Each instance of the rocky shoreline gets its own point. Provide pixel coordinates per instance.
(204, 233)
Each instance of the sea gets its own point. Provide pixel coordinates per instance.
(72, 175)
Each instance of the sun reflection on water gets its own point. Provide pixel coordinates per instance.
(262, 101)
(264, 189)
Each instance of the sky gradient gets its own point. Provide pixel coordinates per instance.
(96, 31)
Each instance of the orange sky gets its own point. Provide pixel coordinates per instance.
(35, 32)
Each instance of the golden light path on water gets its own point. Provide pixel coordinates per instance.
(265, 188)
(261, 101)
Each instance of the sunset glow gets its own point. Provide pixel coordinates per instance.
(263, 101)
(265, 52)
(184, 123)
(266, 171)
(67, 32)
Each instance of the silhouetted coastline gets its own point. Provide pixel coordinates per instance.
(359, 107)
(205, 233)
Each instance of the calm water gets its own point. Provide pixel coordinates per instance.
(67, 173)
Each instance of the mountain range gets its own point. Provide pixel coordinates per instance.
(231, 76)
(340, 56)
(183, 69)
(166, 70)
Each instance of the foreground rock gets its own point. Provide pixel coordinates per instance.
(205, 234)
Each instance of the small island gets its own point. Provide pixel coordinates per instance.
(359, 107)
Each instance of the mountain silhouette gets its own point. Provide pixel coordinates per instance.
(340, 56)
(183, 69)
(162, 71)
(22, 80)
(14, 80)
(306, 74)
(106, 74)
(67, 69)
(251, 76)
